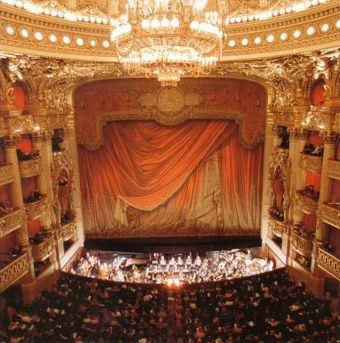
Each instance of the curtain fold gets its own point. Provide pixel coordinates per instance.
(149, 177)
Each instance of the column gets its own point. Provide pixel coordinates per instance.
(11, 157)
(298, 176)
(328, 154)
(73, 149)
(17, 200)
(42, 143)
(269, 144)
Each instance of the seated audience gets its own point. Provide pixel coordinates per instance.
(267, 308)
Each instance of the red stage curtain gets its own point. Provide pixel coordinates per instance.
(144, 167)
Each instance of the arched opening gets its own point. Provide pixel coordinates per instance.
(318, 92)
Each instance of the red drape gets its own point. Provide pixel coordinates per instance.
(146, 167)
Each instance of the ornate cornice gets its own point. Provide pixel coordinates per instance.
(13, 41)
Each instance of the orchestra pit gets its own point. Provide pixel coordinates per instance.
(169, 171)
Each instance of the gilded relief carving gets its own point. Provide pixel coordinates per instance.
(279, 176)
(62, 177)
(103, 101)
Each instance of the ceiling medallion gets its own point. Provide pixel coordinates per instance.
(168, 38)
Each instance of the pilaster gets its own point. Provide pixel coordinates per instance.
(11, 157)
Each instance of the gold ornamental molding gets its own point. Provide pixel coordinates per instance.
(23, 32)
(305, 204)
(333, 169)
(30, 168)
(13, 272)
(277, 227)
(43, 250)
(2, 127)
(311, 163)
(302, 245)
(12, 221)
(37, 209)
(330, 215)
(68, 231)
(6, 174)
(329, 263)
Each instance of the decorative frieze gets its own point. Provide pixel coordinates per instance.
(13, 271)
(300, 244)
(68, 231)
(310, 162)
(6, 174)
(277, 227)
(43, 250)
(305, 204)
(333, 169)
(329, 263)
(51, 122)
(330, 215)
(37, 208)
(12, 221)
(30, 168)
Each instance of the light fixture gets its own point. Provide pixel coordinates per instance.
(168, 39)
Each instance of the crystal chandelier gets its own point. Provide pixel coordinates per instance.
(168, 38)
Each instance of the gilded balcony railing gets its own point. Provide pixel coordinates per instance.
(11, 221)
(13, 271)
(43, 250)
(305, 203)
(330, 215)
(300, 244)
(6, 174)
(329, 263)
(67, 231)
(333, 169)
(277, 227)
(30, 168)
(310, 162)
(35, 209)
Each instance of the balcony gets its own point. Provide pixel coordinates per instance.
(13, 271)
(333, 169)
(6, 174)
(330, 215)
(301, 244)
(30, 168)
(310, 162)
(305, 203)
(11, 221)
(43, 250)
(329, 263)
(277, 227)
(35, 209)
(67, 231)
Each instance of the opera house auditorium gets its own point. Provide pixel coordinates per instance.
(169, 171)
